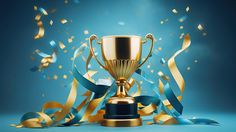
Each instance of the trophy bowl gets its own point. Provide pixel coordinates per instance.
(121, 55)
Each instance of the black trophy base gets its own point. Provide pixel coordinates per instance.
(121, 115)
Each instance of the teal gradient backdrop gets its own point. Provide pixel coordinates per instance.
(210, 84)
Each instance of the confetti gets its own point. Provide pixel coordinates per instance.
(35, 8)
(183, 18)
(162, 22)
(187, 9)
(162, 61)
(52, 43)
(204, 34)
(188, 68)
(159, 48)
(174, 11)
(200, 27)
(63, 21)
(181, 36)
(181, 27)
(55, 77)
(41, 31)
(196, 61)
(152, 71)
(70, 39)
(43, 11)
(64, 76)
(60, 67)
(86, 32)
(51, 22)
(66, 1)
(61, 45)
(148, 66)
(65, 51)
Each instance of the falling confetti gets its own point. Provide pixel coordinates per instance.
(148, 66)
(51, 22)
(55, 77)
(64, 76)
(200, 27)
(174, 11)
(35, 8)
(181, 27)
(188, 68)
(60, 67)
(63, 21)
(183, 18)
(43, 11)
(61, 45)
(187, 9)
(86, 32)
(41, 31)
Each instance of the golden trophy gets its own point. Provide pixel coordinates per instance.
(121, 55)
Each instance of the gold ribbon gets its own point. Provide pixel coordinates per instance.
(164, 118)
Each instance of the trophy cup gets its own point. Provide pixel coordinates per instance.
(121, 55)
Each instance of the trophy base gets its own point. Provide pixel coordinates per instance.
(121, 115)
(122, 122)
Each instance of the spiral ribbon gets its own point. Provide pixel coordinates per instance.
(164, 104)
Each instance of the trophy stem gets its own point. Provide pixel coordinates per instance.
(121, 91)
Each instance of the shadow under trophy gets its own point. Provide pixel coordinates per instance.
(121, 55)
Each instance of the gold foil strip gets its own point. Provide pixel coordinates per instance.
(41, 31)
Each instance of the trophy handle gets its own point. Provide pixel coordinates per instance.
(151, 37)
(91, 38)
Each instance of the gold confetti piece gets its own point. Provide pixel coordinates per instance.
(187, 9)
(41, 30)
(61, 45)
(196, 61)
(188, 68)
(38, 17)
(63, 21)
(35, 8)
(70, 40)
(200, 27)
(174, 11)
(60, 66)
(65, 51)
(86, 32)
(51, 22)
(148, 66)
(64, 76)
(159, 48)
(181, 27)
(55, 77)
(72, 58)
(204, 34)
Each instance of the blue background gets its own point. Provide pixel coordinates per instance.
(210, 86)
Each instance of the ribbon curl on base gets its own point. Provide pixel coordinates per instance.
(164, 103)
